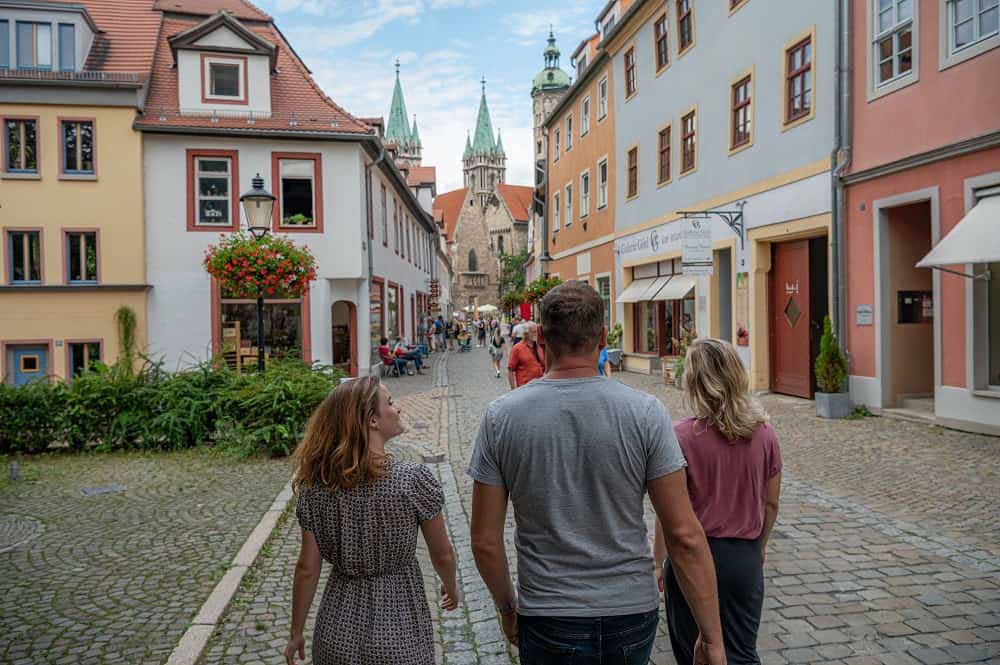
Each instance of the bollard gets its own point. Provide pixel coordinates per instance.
(15, 470)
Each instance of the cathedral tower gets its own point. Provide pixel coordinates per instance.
(398, 133)
(484, 162)
(547, 89)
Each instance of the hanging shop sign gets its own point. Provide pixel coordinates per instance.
(696, 250)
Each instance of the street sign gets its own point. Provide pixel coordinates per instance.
(696, 253)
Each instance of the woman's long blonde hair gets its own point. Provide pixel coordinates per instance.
(334, 452)
(717, 389)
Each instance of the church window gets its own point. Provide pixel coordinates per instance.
(602, 99)
(473, 261)
(500, 244)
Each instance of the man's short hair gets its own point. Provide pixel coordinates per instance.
(572, 318)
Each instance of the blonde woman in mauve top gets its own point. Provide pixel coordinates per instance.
(360, 510)
(734, 481)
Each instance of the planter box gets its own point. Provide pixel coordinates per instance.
(833, 405)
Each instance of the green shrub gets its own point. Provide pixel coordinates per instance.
(831, 366)
(615, 336)
(31, 416)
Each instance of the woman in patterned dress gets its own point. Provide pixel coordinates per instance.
(360, 510)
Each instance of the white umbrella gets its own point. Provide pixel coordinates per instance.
(487, 308)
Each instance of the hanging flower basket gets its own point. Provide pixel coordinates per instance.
(273, 267)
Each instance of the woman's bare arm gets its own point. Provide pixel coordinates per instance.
(442, 558)
(771, 502)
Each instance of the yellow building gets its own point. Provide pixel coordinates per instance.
(71, 195)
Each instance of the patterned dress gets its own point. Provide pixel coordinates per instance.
(374, 611)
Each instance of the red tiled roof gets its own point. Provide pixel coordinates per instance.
(449, 205)
(518, 199)
(421, 175)
(297, 103)
(127, 36)
(238, 8)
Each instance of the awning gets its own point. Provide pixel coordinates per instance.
(975, 239)
(676, 288)
(635, 291)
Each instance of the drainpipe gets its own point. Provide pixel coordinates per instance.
(369, 215)
(840, 161)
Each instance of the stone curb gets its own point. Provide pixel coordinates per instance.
(195, 638)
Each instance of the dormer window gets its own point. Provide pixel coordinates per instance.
(34, 45)
(224, 80)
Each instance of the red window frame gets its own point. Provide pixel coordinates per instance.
(740, 112)
(276, 219)
(689, 131)
(630, 82)
(803, 73)
(664, 153)
(685, 24)
(192, 190)
(632, 160)
(661, 47)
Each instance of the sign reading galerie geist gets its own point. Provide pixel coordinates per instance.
(649, 243)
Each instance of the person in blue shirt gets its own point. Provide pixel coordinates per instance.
(603, 364)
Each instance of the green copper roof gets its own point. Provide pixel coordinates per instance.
(499, 148)
(552, 77)
(468, 146)
(414, 134)
(482, 141)
(398, 131)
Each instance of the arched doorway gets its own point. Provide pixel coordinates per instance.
(344, 336)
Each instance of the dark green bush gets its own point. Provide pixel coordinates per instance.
(31, 416)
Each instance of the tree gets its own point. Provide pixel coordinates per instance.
(831, 366)
(512, 273)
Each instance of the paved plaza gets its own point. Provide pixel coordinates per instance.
(886, 551)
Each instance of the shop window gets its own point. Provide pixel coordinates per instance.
(20, 145)
(971, 21)
(646, 337)
(83, 357)
(25, 257)
(741, 113)
(81, 257)
(34, 45)
(632, 163)
(893, 45)
(67, 47)
(661, 46)
(685, 25)
(213, 177)
(283, 326)
(993, 339)
(78, 147)
(798, 81)
(392, 311)
(376, 318)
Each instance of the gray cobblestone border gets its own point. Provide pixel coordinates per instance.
(195, 638)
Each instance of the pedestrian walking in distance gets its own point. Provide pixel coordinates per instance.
(576, 454)
(734, 481)
(360, 509)
(496, 349)
(526, 360)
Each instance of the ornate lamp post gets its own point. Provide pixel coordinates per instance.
(258, 204)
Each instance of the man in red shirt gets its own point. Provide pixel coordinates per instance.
(526, 360)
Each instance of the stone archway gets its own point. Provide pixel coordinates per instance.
(344, 336)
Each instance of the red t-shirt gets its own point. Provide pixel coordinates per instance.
(525, 364)
(727, 482)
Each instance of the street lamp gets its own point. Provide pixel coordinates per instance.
(258, 204)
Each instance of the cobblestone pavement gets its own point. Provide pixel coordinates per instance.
(115, 577)
(885, 552)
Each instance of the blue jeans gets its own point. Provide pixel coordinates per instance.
(616, 640)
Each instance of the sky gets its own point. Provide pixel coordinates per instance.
(444, 47)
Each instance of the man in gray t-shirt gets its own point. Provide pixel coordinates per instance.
(576, 454)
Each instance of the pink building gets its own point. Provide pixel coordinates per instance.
(924, 170)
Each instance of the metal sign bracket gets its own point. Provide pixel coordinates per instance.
(732, 218)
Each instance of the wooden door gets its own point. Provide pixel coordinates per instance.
(790, 307)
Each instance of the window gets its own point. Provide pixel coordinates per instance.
(67, 47)
(300, 180)
(568, 205)
(78, 147)
(660, 45)
(632, 164)
(20, 145)
(34, 45)
(569, 132)
(81, 257)
(689, 145)
(663, 163)
(25, 252)
(473, 261)
(83, 356)
(392, 309)
(585, 116)
(798, 81)
(4, 45)
(630, 81)
(581, 64)
(558, 146)
(224, 79)
(740, 129)
(395, 227)
(584, 194)
(500, 245)
(285, 321)
(409, 239)
(602, 99)
(685, 25)
(602, 184)
(556, 212)
(893, 39)
(971, 21)
(213, 204)
(385, 219)
(604, 290)
(645, 327)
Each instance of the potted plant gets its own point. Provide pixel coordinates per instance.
(613, 344)
(832, 401)
(687, 337)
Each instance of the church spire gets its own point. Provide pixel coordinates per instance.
(414, 134)
(398, 131)
(499, 148)
(482, 141)
(468, 146)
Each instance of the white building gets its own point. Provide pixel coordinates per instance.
(229, 99)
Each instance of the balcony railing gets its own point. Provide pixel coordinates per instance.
(56, 76)
(301, 120)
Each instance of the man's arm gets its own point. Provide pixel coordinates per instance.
(489, 510)
(511, 366)
(690, 556)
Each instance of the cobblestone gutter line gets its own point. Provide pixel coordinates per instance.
(195, 638)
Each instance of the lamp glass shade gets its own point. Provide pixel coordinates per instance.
(258, 212)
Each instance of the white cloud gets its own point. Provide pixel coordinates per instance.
(570, 22)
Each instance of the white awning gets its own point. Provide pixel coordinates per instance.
(635, 291)
(678, 287)
(975, 239)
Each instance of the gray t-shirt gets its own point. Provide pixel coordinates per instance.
(575, 456)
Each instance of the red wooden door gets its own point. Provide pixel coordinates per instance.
(791, 371)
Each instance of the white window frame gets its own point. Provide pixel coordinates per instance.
(585, 194)
(241, 79)
(609, 302)
(569, 132)
(215, 175)
(557, 145)
(313, 185)
(602, 187)
(948, 55)
(556, 212)
(568, 203)
(602, 99)
(585, 116)
(899, 81)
